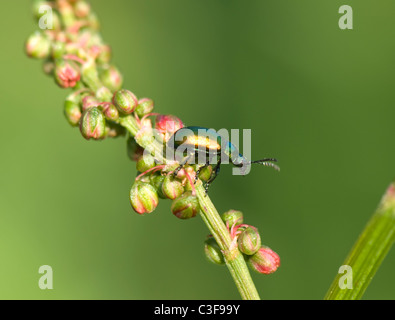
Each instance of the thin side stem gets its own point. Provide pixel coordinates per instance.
(369, 251)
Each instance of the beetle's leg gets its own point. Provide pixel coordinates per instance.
(183, 163)
(213, 176)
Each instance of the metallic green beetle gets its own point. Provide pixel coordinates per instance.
(201, 143)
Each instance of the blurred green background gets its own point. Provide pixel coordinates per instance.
(318, 98)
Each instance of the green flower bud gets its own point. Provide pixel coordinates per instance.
(172, 188)
(264, 261)
(90, 76)
(205, 173)
(133, 149)
(144, 107)
(111, 112)
(58, 49)
(145, 163)
(111, 78)
(249, 241)
(143, 197)
(213, 251)
(157, 181)
(93, 124)
(72, 112)
(186, 206)
(232, 217)
(36, 6)
(104, 94)
(38, 46)
(125, 101)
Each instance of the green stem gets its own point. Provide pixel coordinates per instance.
(233, 258)
(369, 251)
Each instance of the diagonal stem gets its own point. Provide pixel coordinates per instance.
(369, 251)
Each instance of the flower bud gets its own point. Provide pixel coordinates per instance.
(172, 188)
(157, 181)
(264, 261)
(125, 101)
(189, 178)
(134, 150)
(167, 125)
(249, 241)
(67, 73)
(186, 206)
(93, 124)
(104, 94)
(144, 107)
(232, 216)
(89, 101)
(111, 112)
(205, 173)
(145, 163)
(104, 55)
(82, 9)
(213, 251)
(111, 78)
(143, 197)
(72, 112)
(38, 46)
(58, 49)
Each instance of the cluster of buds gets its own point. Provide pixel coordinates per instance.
(75, 55)
(246, 237)
(158, 181)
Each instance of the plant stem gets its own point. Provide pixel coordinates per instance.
(369, 251)
(233, 257)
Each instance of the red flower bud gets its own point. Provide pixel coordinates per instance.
(111, 112)
(167, 125)
(264, 261)
(67, 74)
(89, 102)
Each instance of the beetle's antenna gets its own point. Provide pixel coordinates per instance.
(268, 162)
